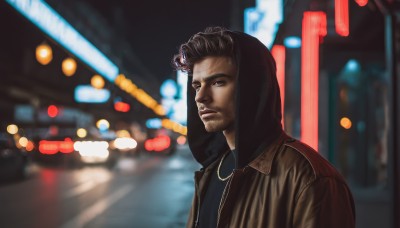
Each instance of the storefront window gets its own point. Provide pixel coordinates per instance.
(361, 132)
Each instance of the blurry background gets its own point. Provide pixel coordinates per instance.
(93, 117)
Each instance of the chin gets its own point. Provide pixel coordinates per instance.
(214, 127)
(210, 130)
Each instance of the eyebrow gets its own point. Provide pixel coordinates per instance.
(213, 77)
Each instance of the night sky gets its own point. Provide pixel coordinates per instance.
(155, 29)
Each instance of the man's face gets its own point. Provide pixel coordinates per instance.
(214, 79)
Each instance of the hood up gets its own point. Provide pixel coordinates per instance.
(258, 107)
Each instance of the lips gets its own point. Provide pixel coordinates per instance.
(206, 112)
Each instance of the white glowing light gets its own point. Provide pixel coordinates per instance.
(125, 143)
(88, 94)
(263, 20)
(92, 151)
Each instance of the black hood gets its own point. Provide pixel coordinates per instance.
(258, 107)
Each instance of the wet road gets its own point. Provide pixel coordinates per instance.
(148, 191)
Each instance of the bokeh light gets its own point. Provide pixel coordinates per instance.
(12, 129)
(23, 141)
(345, 123)
(181, 140)
(44, 54)
(97, 82)
(81, 133)
(103, 125)
(68, 66)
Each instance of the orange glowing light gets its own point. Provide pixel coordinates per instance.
(278, 51)
(345, 123)
(97, 81)
(342, 17)
(30, 146)
(68, 66)
(44, 54)
(314, 27)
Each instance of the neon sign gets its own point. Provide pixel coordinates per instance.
(88, 94)
(51, 23)
(262, 21)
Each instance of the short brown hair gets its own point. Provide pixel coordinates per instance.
(214, 41)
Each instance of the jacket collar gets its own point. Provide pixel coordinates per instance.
(263, 162)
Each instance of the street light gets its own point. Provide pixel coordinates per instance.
(44, 54)
(68, 66)
(97, 81)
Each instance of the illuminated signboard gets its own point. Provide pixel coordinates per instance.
(180, 114)
(263, 20)
(88, 94)
(50, 22)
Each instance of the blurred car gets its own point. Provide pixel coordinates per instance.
(95, 152)
(13, 161)
(57, 151)
(75, 152)
(161, 144)
(125, 146)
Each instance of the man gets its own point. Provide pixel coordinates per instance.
(253, 174)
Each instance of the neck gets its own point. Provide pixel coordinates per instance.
(230, 138)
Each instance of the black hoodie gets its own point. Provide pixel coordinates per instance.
(258, 107)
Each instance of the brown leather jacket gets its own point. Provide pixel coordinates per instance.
(288, 185)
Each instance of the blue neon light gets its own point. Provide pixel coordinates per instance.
(154, 123)
(50, 22)
(88, 94)
(263, 20)
(169, 88)
(292, 42)
(352, 65)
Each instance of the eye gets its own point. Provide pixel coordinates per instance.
(196, 86)
(219, 83)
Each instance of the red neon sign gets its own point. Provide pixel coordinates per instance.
(362, 2)
(278, 51)
(342, 17)
(122, 106)
(314, 27)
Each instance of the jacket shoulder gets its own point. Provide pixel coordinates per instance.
(319, 166)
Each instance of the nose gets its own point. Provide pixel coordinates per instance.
(203, 95)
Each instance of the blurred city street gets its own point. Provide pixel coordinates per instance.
(93, 116)
(144, 191)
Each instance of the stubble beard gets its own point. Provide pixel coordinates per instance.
(213, 126)
(217, 125)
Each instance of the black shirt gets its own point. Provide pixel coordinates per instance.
(210, 204)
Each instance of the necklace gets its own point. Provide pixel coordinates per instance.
(219, 167)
